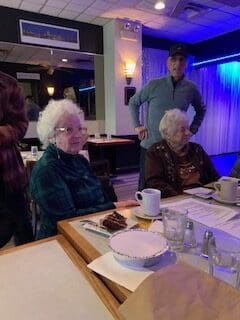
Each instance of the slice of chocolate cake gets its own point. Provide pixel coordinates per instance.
(114, 221)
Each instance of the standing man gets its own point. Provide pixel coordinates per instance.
(169, 92)
(13, 125)
(32, 109)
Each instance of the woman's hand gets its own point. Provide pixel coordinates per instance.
(126, 203)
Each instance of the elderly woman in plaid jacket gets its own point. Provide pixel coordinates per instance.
(62, 182)
(13, 125)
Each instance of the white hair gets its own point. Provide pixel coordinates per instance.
(170, 120)
(50, 116)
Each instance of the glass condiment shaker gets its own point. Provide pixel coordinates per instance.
(189, 236)
(207, 235)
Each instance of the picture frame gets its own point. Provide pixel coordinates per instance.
(128, 93)
(48, 35)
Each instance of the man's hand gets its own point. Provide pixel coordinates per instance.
(142, 132)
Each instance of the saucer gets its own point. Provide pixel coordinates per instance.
(140, 214)
(216, 197)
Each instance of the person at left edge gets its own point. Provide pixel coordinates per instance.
(13, 125)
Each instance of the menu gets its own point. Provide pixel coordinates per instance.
(209, 214)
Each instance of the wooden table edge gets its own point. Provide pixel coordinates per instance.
(89, 254)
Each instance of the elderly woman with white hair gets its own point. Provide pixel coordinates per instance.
(175, 164)
(62, 182)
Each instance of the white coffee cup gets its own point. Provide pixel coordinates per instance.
(227, 188)
(149, 199)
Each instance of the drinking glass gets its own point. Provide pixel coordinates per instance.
(174, 225)
(97, 135)
(224, 259)
(34, 151)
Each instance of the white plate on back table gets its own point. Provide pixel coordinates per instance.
(138, 212)
(216, 197)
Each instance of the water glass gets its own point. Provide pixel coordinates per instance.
(174, 225)
(109, 136)
(34, 151)
(97, 135)
(224, 259)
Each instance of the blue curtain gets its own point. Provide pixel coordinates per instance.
(220, 88)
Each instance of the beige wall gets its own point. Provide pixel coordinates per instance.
(99, 82)
(119, 49)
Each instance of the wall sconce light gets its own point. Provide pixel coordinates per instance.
(129, 71)
(50, 90)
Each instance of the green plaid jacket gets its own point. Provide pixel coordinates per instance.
(64, 186)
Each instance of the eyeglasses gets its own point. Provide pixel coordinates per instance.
(70, 130)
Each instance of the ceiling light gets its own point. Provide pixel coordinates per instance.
(136, 28)
(159, 5)
(127, 25)
(64, 60)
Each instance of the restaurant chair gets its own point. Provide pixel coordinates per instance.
(32, 205)
(101, 167)
(102, 171)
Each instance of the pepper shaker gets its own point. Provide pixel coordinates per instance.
(189, 236)
(207, 235)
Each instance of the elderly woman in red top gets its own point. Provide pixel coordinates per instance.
(175, 164)
(13, 125)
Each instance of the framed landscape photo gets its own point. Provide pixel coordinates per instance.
(48, 35)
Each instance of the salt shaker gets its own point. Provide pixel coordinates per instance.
(207, 235)
(189, 236)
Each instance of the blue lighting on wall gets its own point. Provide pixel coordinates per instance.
(229, 74)
(220, 59)
(87, 88)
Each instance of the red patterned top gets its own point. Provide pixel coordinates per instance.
(13, 125)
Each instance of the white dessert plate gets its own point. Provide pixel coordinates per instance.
(94, 224)
(138, 212)
(216, 197)
(137, 247)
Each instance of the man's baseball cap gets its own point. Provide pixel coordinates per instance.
(178, 48)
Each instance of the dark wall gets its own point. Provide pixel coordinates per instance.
(213, 48)
(217, 47)
(156, 43)
(91, 36)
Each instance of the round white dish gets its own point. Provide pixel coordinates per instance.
(138, 212)
(137, 247)
(216, 197)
